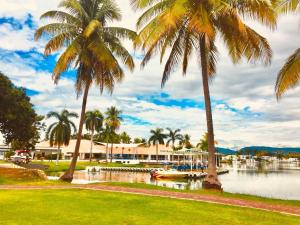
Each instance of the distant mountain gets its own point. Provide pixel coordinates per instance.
(226, 151)
(253, 149)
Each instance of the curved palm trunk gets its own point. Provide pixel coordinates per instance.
(211, 181)
(68, 175)
(91, 148)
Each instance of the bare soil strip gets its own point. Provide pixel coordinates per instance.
(285, 209)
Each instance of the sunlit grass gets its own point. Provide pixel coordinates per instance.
(96, 207)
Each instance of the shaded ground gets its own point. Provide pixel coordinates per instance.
(89, 207)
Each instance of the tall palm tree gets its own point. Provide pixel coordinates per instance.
(187, 25)
(93, 122)
(113, 122)
(289, 75)
(173, 136)
(203, 144)
(157, 137)
(59, 132)
(90, 46)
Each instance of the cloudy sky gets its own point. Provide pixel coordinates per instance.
(245, 110)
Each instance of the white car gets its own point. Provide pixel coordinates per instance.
(20, 158)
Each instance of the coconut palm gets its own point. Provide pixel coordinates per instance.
(93, 122)
(203, 144)
(113, 122)
(185, 26)
(90, 46)
(157, 137)
(173, 136)
(59, 132)
(289, 75)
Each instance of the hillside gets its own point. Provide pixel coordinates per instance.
(253, 149)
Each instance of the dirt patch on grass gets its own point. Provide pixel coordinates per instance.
(11, 175)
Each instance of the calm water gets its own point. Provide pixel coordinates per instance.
(268, 180)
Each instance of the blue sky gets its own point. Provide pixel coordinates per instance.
(244, 107)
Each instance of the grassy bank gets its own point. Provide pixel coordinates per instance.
(81, 165)
(207, 192)
(95, 207)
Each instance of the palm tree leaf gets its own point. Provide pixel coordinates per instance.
(289, 75)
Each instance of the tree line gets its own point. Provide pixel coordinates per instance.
(103, 127)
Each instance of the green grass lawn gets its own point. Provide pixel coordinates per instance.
(64, 207)
(207, 192)
(81, 165)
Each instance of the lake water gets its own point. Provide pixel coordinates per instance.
(268, 180)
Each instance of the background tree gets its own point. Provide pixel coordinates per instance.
(18, 120)
(94, 48)
(186, 26)
(173, 136)
(59, 132)
(93, 122)
(125, 138)
(157, 138)
(113, 122)
(186, 141)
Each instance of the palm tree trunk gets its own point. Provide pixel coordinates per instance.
(58, 153)
(106, 149)
(68, 175)
(91, 149)
(157, 153)
(211, 180)
(111, 151)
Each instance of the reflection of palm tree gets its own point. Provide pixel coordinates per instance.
(185, 26)
(90, 45)
(93, 122)
(59, 133)
(157, 137)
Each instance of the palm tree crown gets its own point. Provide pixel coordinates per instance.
(173, 136)
(113, 118)
(91, 45)
(157, 136)
(93, 120)
(59, 132)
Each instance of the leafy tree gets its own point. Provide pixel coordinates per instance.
(113, 122)
(173, 136)
(90, 46)
(93, 122)
(180, 27)
(18, 121)
(59, 132)
(157, 137)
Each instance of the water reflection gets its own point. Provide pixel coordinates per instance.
(276, 180)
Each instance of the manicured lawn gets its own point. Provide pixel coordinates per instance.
(105, 208)
(207, 192)
(81, 165)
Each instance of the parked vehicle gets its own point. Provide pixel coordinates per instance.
(21, 156)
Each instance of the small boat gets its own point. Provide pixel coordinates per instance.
(168, 174)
